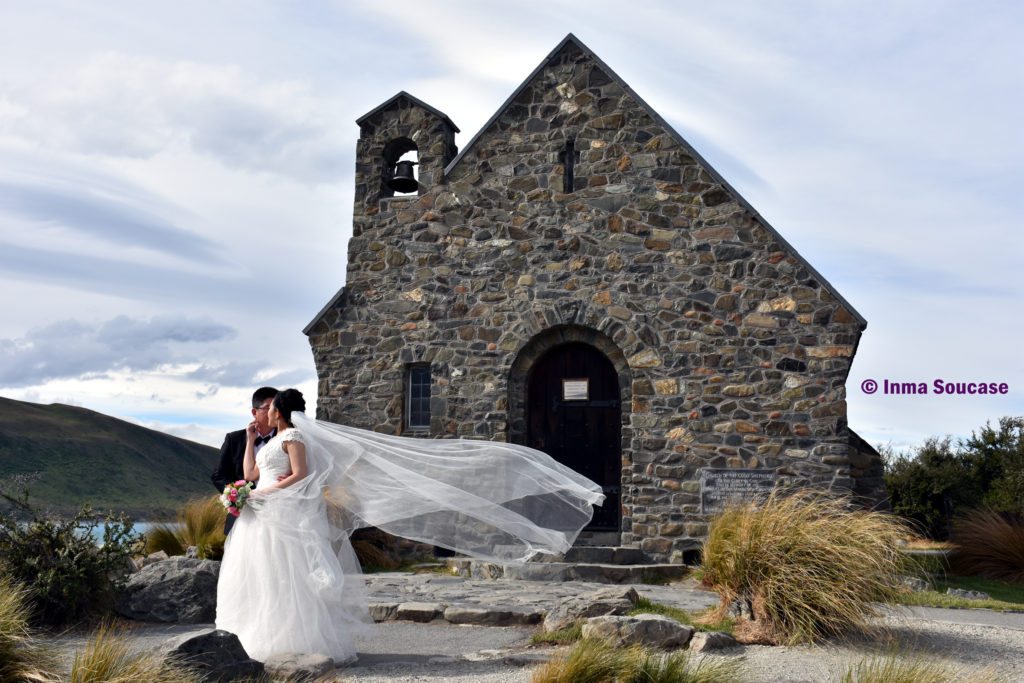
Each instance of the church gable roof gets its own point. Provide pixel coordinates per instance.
(402, 95)
(571, 41)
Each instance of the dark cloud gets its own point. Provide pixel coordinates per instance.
(112, 218)
(71, 349)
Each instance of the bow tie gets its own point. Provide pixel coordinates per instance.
(260, 440)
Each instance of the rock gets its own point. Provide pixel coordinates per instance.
(490, 616)
(179, 590)
(214, 654)
(152, 558)
(702, 641)
(651, 630)
(192, 551)
(968, 595)
(419, 611)
(741, 609)
(915, 583)
(608, 601)
(298, 667)
(383, 611)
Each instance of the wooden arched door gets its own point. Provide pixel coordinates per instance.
(573, 414)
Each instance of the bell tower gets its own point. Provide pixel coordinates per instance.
(387, 134)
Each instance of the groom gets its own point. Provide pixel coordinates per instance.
(233, 450)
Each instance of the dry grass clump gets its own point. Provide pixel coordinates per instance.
(200, 524)
(990, 544)
(376, 550)
(107, 658)
(593, 661)
(21, 659)
(804, 564)
(896, 669)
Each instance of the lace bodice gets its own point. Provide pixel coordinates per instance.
(272, 459)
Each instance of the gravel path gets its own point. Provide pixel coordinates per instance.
(438, 651)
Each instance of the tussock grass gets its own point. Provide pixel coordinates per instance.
(896, 669)
(592, 661)
(376, 550)
(805, 564)
(22, 660)
(163, 537)
(987, 543)
(200, 523)
(107, 658)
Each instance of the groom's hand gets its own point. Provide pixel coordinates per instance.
(282, 477)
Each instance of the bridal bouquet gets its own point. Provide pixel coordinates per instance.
(234, 496)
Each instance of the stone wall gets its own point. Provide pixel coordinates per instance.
(732, 352)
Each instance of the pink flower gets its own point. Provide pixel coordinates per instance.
(234, 512)
(240, 482)
(233, 496)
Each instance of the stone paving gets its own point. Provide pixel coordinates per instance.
(500, 602)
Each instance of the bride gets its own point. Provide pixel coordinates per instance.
(290, 582)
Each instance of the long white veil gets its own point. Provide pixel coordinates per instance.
(486, 499)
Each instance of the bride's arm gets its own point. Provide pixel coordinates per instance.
(297, 458)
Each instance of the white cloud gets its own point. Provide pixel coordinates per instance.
(121, 105)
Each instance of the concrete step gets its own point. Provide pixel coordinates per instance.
(569, 571)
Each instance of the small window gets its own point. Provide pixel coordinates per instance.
(417, 398)
(568, 160)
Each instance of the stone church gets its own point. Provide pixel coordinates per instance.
(578, 279)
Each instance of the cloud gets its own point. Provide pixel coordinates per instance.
(114, 219)
(126, 106)
(247, 374)
(73, 349)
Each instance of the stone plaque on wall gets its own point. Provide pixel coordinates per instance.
(719, 487)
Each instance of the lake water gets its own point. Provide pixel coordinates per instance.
(138, 527)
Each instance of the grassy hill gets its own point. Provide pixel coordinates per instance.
(87, 457)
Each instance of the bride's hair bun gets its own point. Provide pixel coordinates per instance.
(288, 402)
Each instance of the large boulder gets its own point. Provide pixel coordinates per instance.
(179, 590)
(214, 654)
(649, 630)
(599, 603)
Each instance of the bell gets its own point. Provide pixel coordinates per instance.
(403, 180)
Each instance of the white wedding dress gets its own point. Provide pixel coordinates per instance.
(290, 582)
(283, 587)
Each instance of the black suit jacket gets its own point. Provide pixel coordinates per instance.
(232, 452)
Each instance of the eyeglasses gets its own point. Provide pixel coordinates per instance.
(266, 407)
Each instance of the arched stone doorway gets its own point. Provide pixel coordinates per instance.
(567, 392)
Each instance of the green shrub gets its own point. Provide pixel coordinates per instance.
(804, 564)
(928, 485)
(68, 575)
(988, 544)
(593, 661)
(21, 659)
(943, 478)
(996, 458)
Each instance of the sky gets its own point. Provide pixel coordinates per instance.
(176, 178)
